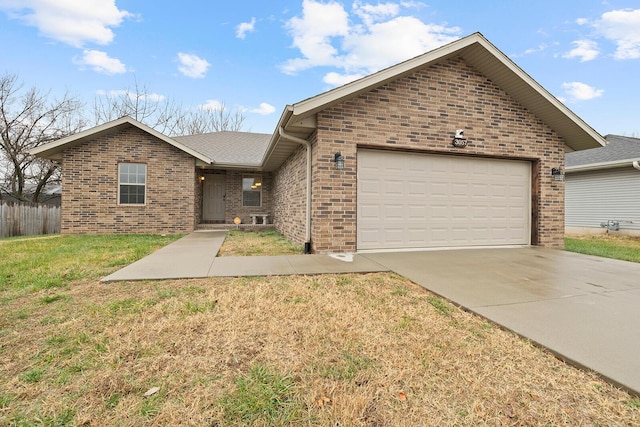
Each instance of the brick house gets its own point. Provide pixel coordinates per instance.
(378, 163)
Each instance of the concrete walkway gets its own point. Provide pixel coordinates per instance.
(584, 309)
(194, 256)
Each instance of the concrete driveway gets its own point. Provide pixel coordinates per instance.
(585, 309)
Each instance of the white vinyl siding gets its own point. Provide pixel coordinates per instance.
(409, 200)
(598, 196)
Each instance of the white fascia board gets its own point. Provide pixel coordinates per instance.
(376, 79)
(507, 62)
(105, 128)
(96, 130)
(275, 137)
(602, 165)
(364, 84)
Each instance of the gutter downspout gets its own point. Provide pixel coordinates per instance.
(636, 165)
(307, 145)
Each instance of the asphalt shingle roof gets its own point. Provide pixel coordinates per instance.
(243, 148)
(618, 148)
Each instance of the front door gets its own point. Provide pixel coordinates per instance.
(213, 198)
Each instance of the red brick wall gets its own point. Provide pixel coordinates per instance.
(90, 186)
(290, 195)
(421, 112)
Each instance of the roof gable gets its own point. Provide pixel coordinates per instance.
(54, 149)
(298, 120)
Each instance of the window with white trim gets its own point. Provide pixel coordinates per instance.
(252, 191)
(132, 183)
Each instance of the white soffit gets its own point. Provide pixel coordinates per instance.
(484, 56)
(54, 149)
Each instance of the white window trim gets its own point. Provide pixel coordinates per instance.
(258, 177)
(144, 185)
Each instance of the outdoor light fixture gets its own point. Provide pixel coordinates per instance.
(202, 178)
(557, 174)
(459, 140)
(339, 159)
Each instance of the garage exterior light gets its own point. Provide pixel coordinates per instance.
(339, 160)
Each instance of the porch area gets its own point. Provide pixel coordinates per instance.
(226, 196)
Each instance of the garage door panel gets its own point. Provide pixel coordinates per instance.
(414, 200)
(394, 212)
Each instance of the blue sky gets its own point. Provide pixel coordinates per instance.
(261, 55)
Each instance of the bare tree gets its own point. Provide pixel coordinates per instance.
(28, 119)
(138, 103)
(212, 119)
(164, 114)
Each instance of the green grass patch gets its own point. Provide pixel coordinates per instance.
(263, 397)
(617, 247)
(53, 298)
(35, 264)
(151, 406)
(113, 400)
(192, 307)
(33, 375)
(440, 305)
(5, 400)
(634, 403)
(346, 368)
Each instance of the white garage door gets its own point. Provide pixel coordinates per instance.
(409, 200)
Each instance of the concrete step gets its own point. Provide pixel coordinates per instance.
(245, 227)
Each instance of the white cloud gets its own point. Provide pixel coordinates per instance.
(73, 22)
(578, 91)
(100, 62)
(623, 28)
(335, 79)
(371, 13)
(312, 34)
(586, 50)
(212, 105)
(372, 37)
(390, 42)
(192, 65)
(582, 21)
(264, 109)
(245, 27)
(539, 48)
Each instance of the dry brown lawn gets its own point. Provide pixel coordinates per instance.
(257, 243)
(329, 350)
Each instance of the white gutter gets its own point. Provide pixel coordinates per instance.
(307, 145)
(603, 165)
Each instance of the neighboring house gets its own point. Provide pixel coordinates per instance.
(603, 188)
(51, 195)
(405, 182)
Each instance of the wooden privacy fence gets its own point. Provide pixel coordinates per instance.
(26, 219)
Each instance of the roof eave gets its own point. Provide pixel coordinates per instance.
(222, 165)
(578, 135)
(54, 149)
(267, 163)
(602, 165)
